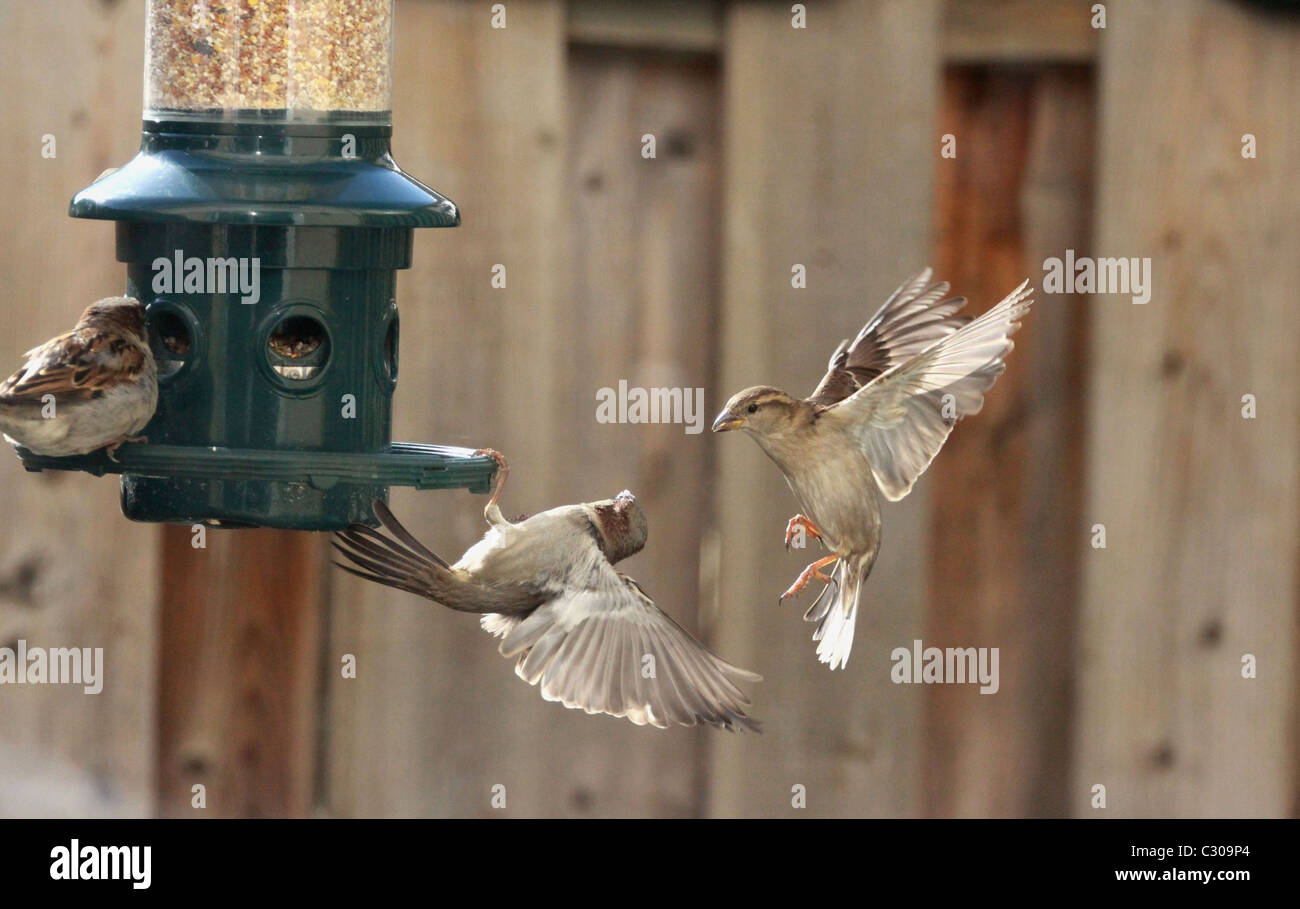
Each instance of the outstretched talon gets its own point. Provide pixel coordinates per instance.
(812, 571)
(796, 522)
(492, 511)
(118, 443)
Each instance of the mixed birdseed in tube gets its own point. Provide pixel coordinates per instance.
(298, 56)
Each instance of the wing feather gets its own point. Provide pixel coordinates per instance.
(607, 627)
(899, 417)
(75, 366)
(915, 316)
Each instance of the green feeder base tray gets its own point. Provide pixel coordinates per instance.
(300, 490)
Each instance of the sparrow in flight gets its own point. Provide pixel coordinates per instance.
(881, 413)
(93, 387)
(582, 631)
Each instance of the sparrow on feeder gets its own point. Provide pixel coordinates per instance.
(93, 387)
(875, 422)
(586, 633)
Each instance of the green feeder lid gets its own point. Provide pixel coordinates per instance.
(264, 174)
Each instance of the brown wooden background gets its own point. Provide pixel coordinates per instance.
(775, 147)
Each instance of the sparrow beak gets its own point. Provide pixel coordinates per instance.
(625, 496)
(727, 421)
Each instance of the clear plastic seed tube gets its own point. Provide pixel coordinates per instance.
(295, 60)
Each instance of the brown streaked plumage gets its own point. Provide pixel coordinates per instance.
(880, 414)
(100, 377)
(587, 635)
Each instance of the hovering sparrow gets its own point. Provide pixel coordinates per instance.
(547, 586)
(103, 381)
(880, 415)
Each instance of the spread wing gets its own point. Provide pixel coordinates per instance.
(604, 647)
(903, 417)
(590, 637)
(77, 366)
(912, 319)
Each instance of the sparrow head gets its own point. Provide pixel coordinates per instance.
(621, 526)
(123, 314)
(762, 410)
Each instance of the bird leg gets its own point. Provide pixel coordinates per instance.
(800, 521)
(117, 443)
(492, 511)
(812, 571)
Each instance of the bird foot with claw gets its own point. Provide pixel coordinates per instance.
(115, 445)
(494, 455)
(492, 511)
(812, 571)
(793, 525)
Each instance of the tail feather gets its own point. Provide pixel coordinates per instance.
(389, 520)
(836, 610)
(820, 606)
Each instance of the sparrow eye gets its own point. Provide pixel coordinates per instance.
(752, 408)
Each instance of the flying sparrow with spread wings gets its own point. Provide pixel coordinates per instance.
(102, 378)
(880, 415)
(546, 585)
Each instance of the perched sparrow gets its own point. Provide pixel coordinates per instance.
(103, 381)
(874, 424)
(547, 586)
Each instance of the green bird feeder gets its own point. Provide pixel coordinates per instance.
(262, 224)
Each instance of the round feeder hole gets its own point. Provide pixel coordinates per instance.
(298, 348)
(173, 337)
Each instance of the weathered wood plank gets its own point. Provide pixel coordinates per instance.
(1006, 488)
(973, 31)
(436, 718)
(677, 25)
(239, 649)
(73, 571)
(645, 237)
(1199, 504)
(1019, 31)
(827, 132)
